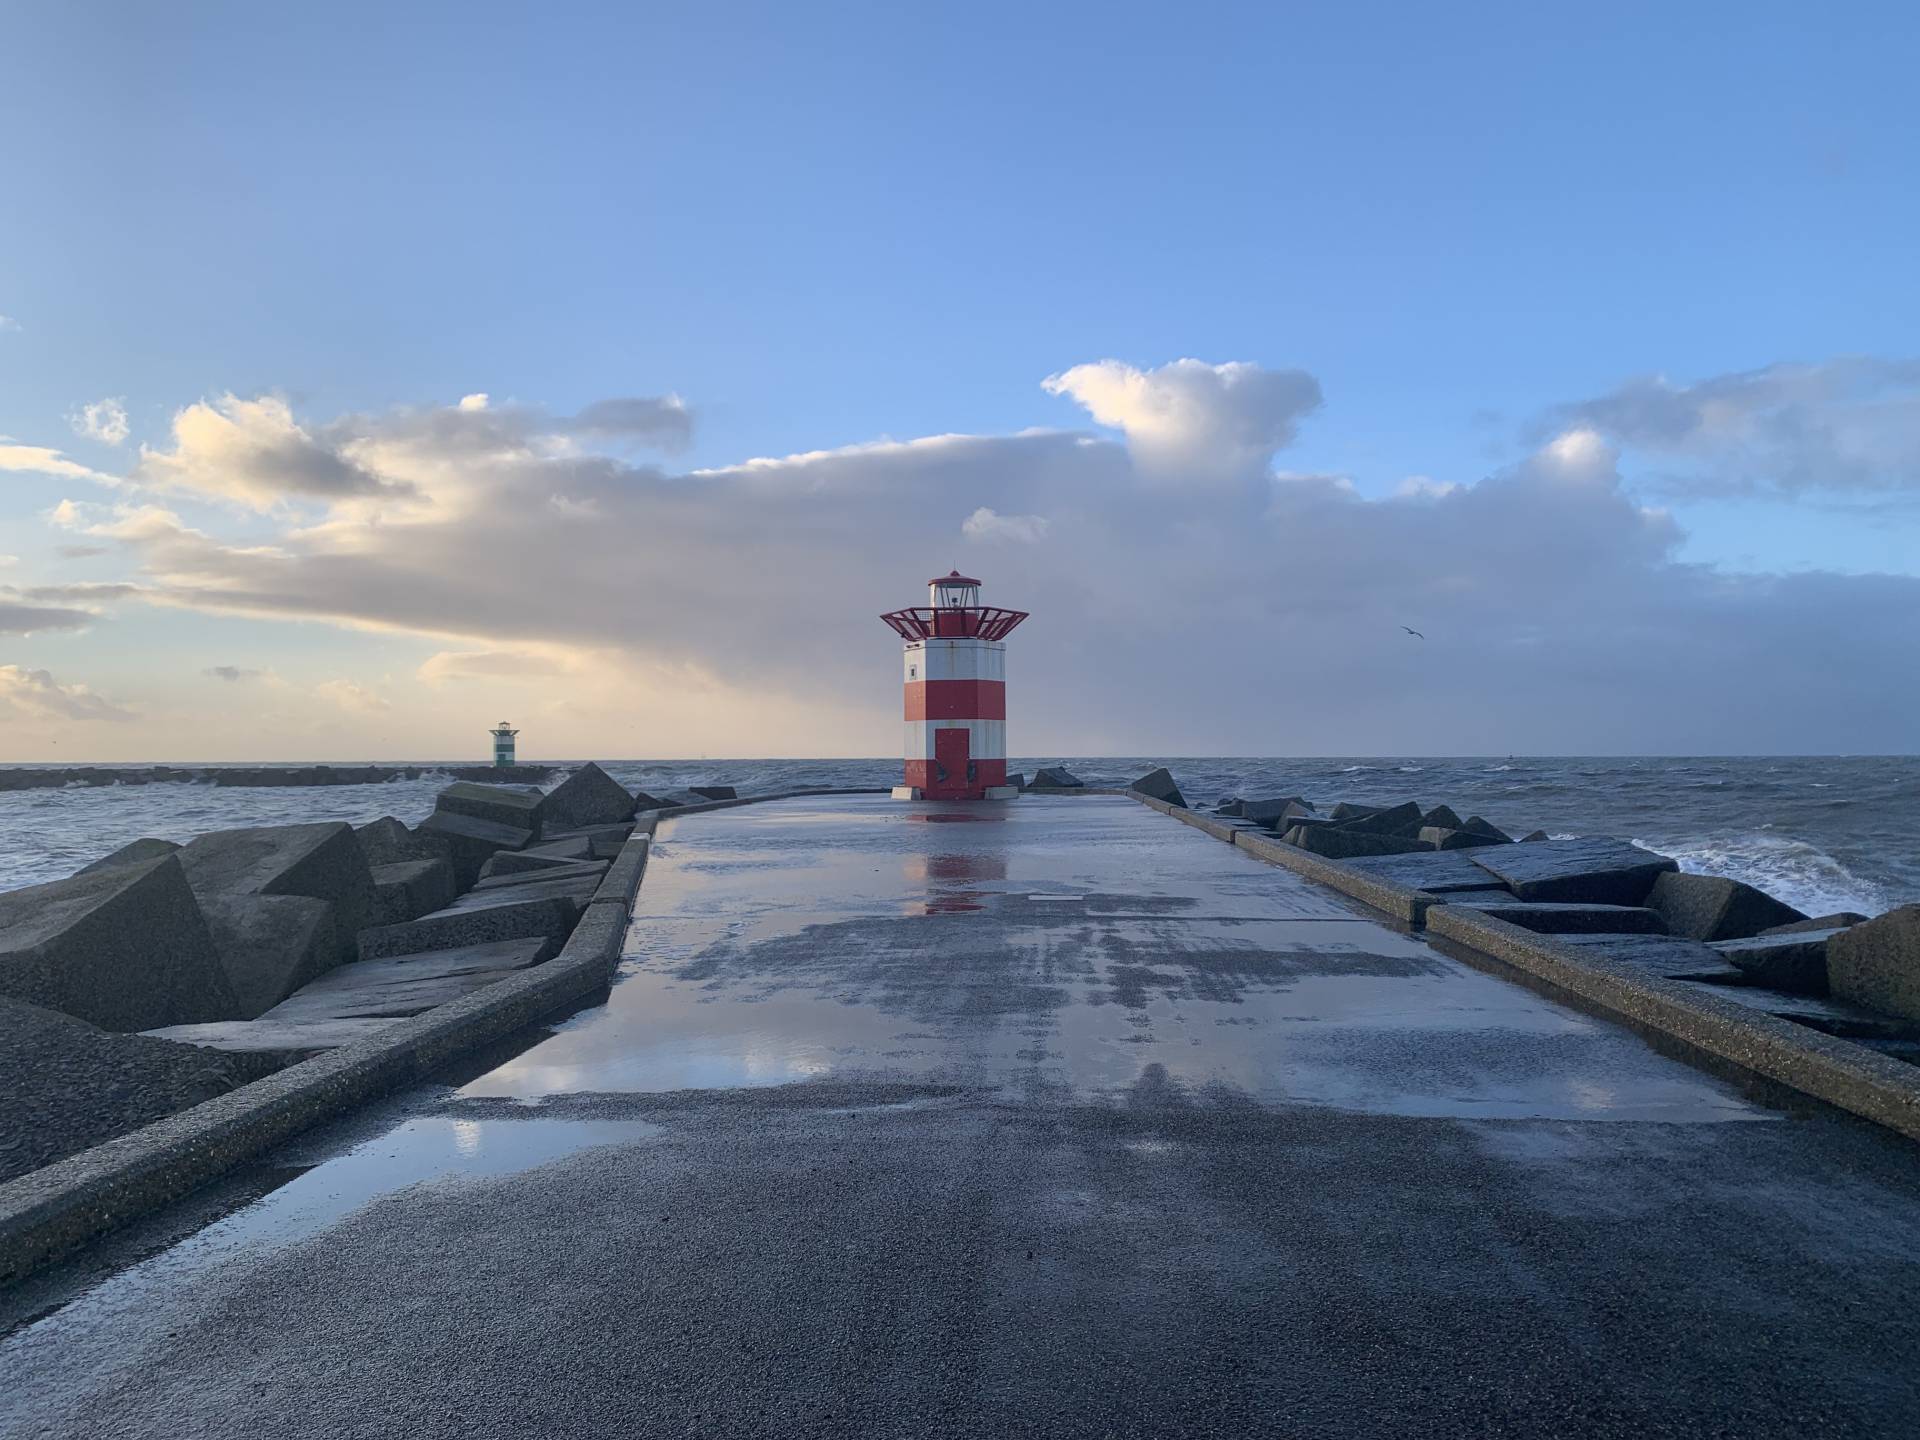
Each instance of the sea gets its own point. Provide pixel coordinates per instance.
(1822, 833)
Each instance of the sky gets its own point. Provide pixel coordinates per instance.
(371, 373)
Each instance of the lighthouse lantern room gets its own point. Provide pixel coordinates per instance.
(956, 692)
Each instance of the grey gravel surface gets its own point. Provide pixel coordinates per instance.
(1060, 1119)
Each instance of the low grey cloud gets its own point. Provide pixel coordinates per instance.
(89, 592)
(1559, 618)
(1845, 425)
(28, 696)
(233, 674)
(22, 619)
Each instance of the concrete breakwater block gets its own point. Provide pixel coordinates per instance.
(1402, 820)
(1560, 918)
(555, 875)
(125, 948)
(1276, 813)
(1710, 907)
(715, 792)
(589, 796)
(494, 955)
(1839, 920)
(1441, 838)
(271, 945)
(469, 843)
(1438, 873)
(519, 807)
(65, 1084)
(407, 889)
(1056, 777)
(132, 853)
(1593, 872)
(387, 841)
(321, 861)
(394, 999)
(476, 919)
(1159, 785)
(275, 1043)
(1672, 957)
(1794, 961)
(1877, 963)
(525, 862)
(1336, 842)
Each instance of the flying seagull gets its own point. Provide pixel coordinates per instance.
(1411, 631)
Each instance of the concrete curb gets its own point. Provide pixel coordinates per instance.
(1405, 905)
(53, 1210)
(1843, 1074)
(1851, 1077)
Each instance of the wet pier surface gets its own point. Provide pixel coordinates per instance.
(1056, 1117)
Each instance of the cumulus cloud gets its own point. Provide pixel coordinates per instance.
(41, 460)
(985, 524)
(352, 697)
(104, 421)
(522, 664)
(34, 695)
(7, 322)
(1190, 422)
(1559, 617)
(253, 453)
(1851, 424)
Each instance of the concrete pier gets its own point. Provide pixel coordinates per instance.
(1049, 1117)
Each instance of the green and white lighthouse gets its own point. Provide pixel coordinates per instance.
(503, 734)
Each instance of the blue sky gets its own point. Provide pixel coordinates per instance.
(826, 226)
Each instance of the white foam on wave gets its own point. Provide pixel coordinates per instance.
(1802, 874)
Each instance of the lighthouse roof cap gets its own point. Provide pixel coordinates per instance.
(953, 578)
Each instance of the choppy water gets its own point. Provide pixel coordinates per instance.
(1821, 833)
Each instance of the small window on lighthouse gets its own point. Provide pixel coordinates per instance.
(913, 672)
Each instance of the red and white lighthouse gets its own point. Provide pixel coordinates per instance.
(956, 691)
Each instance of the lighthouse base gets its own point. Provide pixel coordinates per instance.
(906, 792)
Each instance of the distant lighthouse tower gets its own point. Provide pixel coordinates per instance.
(956, 696)
(503, 734)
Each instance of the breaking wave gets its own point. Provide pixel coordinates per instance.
(1802, 874)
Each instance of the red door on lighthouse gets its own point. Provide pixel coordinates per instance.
(950, 778)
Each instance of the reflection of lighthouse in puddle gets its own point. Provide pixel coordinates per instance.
(953, 883)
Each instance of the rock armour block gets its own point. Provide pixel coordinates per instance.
(1588, 872)
(1877, 964)
(125, 948)
(589, 796)
(1710, 907)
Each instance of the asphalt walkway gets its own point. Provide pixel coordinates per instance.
(1055, 1117)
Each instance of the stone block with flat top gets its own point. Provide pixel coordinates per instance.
(1339, 843)
(512, 805)
(125, 948)
(1877, 963)
(1711, 907)
(1793, 960)
(1594, 872)
(1559, 918)
(469, 843)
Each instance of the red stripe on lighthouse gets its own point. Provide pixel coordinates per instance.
(957, 700)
